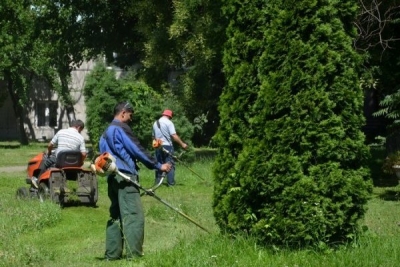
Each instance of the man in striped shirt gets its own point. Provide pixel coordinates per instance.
(64, 139)
(67, 139)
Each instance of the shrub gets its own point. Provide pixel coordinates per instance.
(103, 91)
(291, 169)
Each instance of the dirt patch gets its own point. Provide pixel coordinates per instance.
(13, 169)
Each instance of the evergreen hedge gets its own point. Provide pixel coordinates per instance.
(291, 169)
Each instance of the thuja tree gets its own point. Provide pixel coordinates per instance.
(240, 58)
(300, 178)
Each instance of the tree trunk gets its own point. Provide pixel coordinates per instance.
(23, 139)
(69, 105)
(18, 109)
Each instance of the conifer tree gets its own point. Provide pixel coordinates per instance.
(240, 59)
(298, 177)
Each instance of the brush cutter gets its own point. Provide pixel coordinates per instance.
(177, 159)
(105, 163)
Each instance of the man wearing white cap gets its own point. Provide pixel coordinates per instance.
(164, 130)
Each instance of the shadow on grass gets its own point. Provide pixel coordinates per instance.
(77, 203)
(386, 181)
(380, 179)
(390, 195)
(10, 146)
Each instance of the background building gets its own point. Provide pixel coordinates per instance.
(46, 114)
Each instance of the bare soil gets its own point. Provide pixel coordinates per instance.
(13, 168)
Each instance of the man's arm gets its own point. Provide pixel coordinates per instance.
(83, 149)
(174, 135)
(179, 141)
(50, 147)
(131, 144)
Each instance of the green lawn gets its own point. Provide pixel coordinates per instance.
(15, 155)
(42, 234)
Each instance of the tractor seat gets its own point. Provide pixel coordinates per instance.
(69, 159)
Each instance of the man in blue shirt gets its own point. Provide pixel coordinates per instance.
(126, 223)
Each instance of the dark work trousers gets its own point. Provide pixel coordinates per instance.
(50, 161)
(163, 157)
(126, 223)
(47, 162)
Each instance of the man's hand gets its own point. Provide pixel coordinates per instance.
(184, 146)
(166, 167)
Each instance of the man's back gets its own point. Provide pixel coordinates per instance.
(69, 139)
(165, 130)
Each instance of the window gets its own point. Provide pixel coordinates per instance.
(46, 113)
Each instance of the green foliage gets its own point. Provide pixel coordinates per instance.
(390, 108)
(240, 58)
(149, 106)
(41, 42)
(64, 43)
(22, 56)
(199, 31)
(103, 91)
(178, 44)
(291, 168)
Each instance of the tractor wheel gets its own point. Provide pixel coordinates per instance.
(43, 192)
(22, 193)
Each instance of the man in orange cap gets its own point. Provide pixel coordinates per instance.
(164, 130)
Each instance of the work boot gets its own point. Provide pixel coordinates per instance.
(34, 182)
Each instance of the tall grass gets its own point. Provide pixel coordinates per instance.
(43, 234)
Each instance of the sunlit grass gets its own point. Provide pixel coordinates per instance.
(43, 234)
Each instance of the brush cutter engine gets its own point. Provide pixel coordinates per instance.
(104, 164)
(157, 143)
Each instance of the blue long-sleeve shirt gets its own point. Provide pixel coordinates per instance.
(119, 140)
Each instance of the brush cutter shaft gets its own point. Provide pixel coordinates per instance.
(176, 158)
(150, 192)
(175, 209)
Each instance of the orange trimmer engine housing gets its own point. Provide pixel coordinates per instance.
(67, 181)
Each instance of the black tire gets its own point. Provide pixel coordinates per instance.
(22, 193)
(43, 192)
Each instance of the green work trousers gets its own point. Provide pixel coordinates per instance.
(126, 223)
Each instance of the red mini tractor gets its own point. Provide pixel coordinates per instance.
(67, 182)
